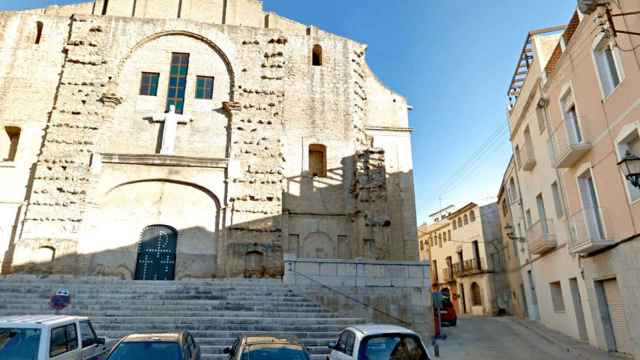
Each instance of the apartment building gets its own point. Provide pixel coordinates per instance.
(574, 116)
(465, 251)
(516, 253)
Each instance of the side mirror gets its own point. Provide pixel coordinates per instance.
(333, 345)
(226, 350)
(101, 341)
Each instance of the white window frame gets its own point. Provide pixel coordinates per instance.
(557, 200)
(579, 174)
(600, 42)
(624, 135)
(569, 90)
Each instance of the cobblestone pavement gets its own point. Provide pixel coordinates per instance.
(511, 339)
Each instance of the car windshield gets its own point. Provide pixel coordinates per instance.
(19, 344)
(146, 350)
(392, 347)
(274, 352)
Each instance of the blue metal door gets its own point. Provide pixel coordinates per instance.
(157, 253)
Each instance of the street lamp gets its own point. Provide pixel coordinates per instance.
(630, 166)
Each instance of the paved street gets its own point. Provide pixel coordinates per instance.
(507, 338)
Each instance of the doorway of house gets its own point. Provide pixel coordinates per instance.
(157, 253)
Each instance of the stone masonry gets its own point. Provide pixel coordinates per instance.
(88, 178)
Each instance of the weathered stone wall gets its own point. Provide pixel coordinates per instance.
(381, 291)
(246, 149)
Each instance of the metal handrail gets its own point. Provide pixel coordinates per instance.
(351, 298)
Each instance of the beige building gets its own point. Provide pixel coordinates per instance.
(194, 139)
(465, 252)
(575, 114)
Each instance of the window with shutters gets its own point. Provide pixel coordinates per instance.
(556, 297)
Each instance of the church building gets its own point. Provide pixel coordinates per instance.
(182, 139)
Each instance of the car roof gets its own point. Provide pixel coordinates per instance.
(379, 329)
(175, 336)
(267, 339)
(40, 320)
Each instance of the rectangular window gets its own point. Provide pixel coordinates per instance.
(557, 200)
(178, 81)
(572, 124)
(449, 235)
(455, 224)
(607, 66)
(204, 87)
(63, 340)
(556, 297)
(542, 213)
(149, 84)
(591, 207)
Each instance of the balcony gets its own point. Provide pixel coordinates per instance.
(541, 237)
(589, 232)
(569, 146)
(469, 267)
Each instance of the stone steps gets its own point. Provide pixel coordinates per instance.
(215, 312)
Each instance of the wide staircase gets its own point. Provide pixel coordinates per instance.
(215, 311)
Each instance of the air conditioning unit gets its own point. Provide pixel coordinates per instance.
(587, 7)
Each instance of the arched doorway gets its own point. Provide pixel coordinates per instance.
(157, 253)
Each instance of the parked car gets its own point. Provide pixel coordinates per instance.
(179, 345)
(247, 347)
(378, 342)
(44, 337)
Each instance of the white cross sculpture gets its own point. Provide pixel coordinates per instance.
(169, 130)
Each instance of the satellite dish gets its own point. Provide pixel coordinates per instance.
(587, 7)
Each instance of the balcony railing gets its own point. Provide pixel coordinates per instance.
(569, 145)
(589, 231)
(541, 237)
(469, 267)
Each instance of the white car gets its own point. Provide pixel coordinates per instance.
(378, 342)
(45, 337)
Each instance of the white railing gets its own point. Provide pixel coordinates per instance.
(589, 231)
(541, 236)
(569, 144)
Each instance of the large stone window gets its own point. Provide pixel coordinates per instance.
(12, 138)
(318, 160)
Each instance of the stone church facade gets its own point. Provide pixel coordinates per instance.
(175, 139)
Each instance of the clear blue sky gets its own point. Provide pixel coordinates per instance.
(453, 60)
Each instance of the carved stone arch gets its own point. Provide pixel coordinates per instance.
(318, 245)
(172, 181)
(204, 39)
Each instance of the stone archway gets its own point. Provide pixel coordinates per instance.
(190, 212)
(318, 245)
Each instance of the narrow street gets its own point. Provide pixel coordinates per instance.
(508, 338)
